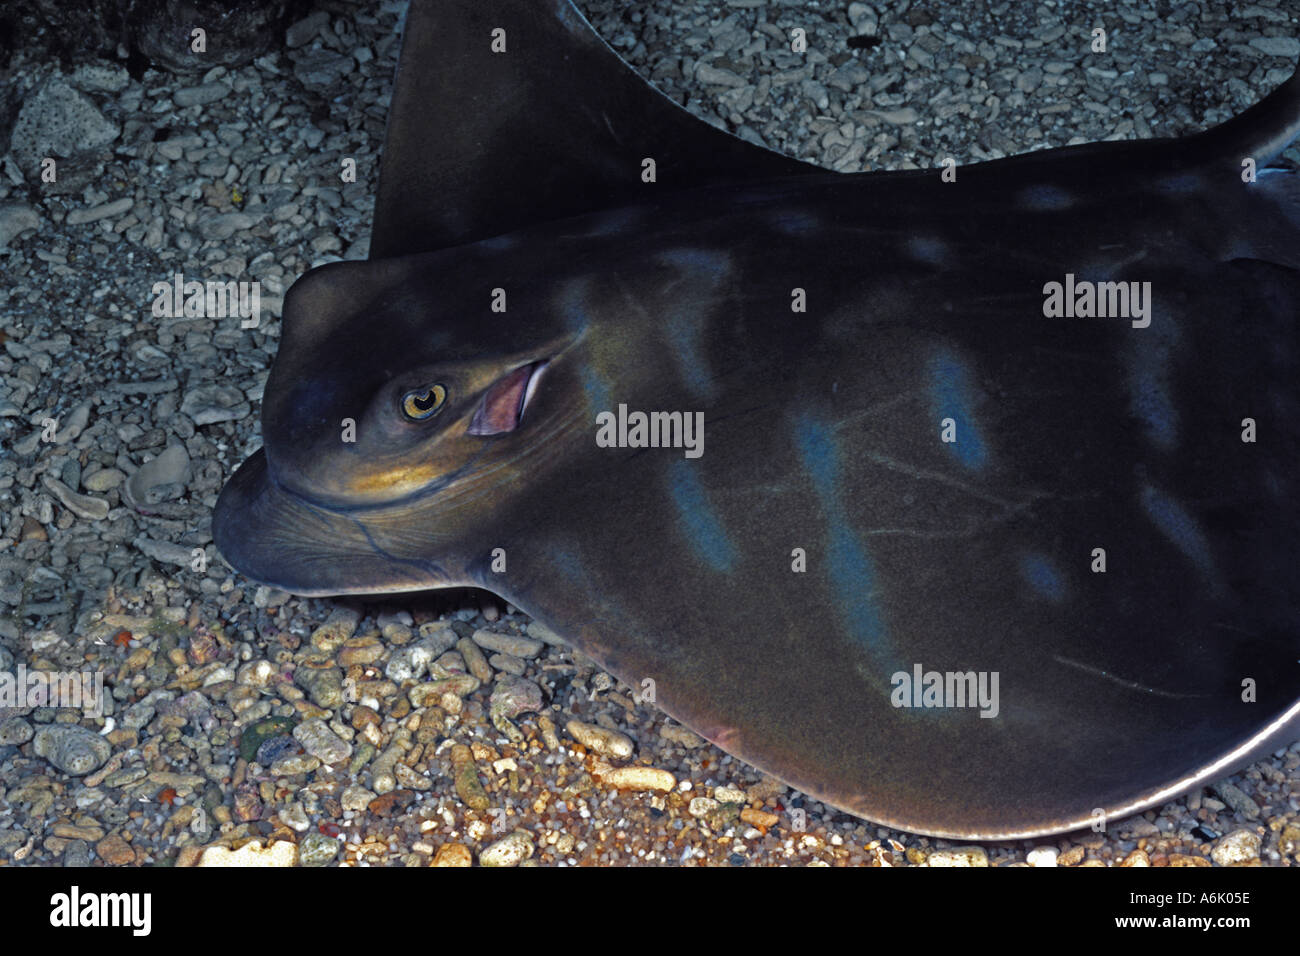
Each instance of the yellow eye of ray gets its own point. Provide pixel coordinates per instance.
(421, 404)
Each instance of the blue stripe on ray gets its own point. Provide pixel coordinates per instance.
(576, 318)
(614, 222)
(1148, 376)
(597, 391)
(1043, 197)
(499, 243)
(1181, 529)
(951, 397)
(686, 331)
(852, 576)
(686, 326)
(705, 263)
(700, 523)
(794, 222)
(1180, 183)
(1041, 573)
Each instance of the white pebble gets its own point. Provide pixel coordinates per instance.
(1042, 856)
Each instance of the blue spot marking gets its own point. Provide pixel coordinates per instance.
(1180, 183)
(574, 312)
(950, 393)
(569, 564)
(1149, 384)
(1041, 197)
(1042, 576)
(700, 523)
(1181, 529)
(927, 250)
(852, 576)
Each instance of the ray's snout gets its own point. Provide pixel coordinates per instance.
(276, 538)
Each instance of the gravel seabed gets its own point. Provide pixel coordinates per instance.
(402, 732)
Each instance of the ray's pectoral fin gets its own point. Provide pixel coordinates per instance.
(510, 112)
(1260, 133)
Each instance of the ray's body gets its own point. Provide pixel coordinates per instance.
(829, 538)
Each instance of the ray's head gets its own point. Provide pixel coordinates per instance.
(398, 401)
(375, 397)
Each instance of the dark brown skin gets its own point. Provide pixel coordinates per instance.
(828, 538)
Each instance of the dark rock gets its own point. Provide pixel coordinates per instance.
(237, 31)
(149, 32)
(273, 748)
(257, 734)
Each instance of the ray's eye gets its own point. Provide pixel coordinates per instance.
(420, 404)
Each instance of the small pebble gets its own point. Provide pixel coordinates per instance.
(278, 854)
(510, 850)
(474, 659)
(115, 851)
(453, 854)
(1071, 857)
(1042, 856)
(465, 777)
(758, 818)
(635, 778)
(1239, 846)
(336, 629)
(15, 731)
(512, 645)
(610, 743)
(321, 742)
(1238, 799)
(317, 849)
(393, 802)
(959, 856)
